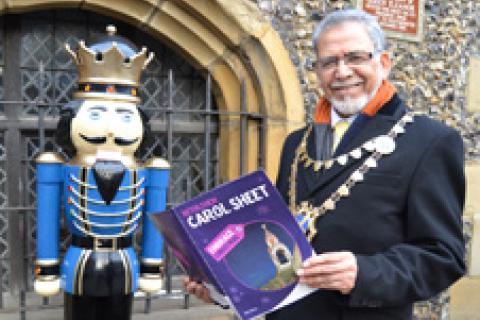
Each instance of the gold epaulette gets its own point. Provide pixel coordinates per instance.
(157, 163)
(49, 157)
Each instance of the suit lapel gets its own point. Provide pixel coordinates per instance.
(361, 130)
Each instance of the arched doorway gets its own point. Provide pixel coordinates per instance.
(38, 78)
(253, 81)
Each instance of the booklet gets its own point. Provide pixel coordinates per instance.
(240, 239)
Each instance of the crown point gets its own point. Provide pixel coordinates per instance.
(110, 68)
(111, 30)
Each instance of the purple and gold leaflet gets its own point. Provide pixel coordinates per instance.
(241, 238)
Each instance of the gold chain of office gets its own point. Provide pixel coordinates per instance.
(378, 147)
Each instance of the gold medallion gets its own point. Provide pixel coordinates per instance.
(328, 164)
(371, 163)
(356, 153)
(342, 159)
(343, 191)
(357, 176)
(329, 204)
(379, 146)
(369, 145)
(384, 145)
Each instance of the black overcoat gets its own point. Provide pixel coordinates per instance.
(403, 222)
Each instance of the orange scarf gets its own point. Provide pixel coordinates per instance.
(384, 94)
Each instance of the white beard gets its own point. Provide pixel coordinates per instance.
(350, 106)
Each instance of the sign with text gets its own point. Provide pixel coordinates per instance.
(401, 19)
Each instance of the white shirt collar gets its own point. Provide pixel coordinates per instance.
(335, 117)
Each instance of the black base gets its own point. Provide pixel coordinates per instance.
(118, 307)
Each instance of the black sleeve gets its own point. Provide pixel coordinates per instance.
(432, 257)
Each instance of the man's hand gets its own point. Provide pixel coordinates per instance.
(332, 271)
(197, 289)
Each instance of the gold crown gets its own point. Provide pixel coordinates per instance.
(109, 74)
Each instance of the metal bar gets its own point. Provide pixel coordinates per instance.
(1, 284)
(22, 307)
(26, 244)
(197, 127)
(186, 301)
(208, 107)
(12, 82)
(243, 127)
(148, 304)
(261, 143)
(24, 284)
(26, 102)
(17, 209)
(1, 280)
(41, 109)
(163, 110)
(168, 278)
(250, 115)
(187, 183)
(50, 124)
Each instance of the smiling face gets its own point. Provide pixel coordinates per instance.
(106, 126)
(348, 69)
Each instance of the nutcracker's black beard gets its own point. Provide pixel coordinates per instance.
(109, 176)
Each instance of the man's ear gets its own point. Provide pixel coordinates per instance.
(385, 64)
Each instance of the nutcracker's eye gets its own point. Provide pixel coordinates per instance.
(95, 113)
(126, 115)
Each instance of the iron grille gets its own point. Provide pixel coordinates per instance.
(41, 76)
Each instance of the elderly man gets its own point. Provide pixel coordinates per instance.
(378, 191)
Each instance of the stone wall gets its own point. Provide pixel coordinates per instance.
(430, 75)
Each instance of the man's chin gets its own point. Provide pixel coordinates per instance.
(349, 106)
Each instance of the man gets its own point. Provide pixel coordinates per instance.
(380, 202)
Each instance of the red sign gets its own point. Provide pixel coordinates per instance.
(398, 16)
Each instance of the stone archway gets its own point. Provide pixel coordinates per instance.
(232, 41)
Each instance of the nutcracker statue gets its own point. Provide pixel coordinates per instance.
(105, 192)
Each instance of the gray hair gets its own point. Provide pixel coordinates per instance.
(370, 23)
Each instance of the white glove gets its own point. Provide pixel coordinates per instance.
(47, 286)
(150, 283)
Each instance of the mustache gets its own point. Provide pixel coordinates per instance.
(100, 140)
(338, 84)
(94, 140)
(124, 141)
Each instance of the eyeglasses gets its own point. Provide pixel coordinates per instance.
(351, 59)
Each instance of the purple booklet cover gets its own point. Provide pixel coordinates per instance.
(241, 238)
